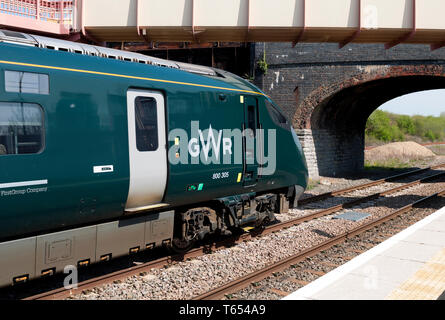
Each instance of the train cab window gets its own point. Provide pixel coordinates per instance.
(251, 121)
(146, 124)
(26, 82)
(277, 116)
(21, 128)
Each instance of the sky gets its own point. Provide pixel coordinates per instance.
(425, 103)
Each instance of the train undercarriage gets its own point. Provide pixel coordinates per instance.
(224, 216)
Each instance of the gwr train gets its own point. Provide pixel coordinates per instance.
(105, 152)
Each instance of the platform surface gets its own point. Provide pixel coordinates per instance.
(407, 266)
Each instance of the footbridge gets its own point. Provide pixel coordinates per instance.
(341, 21)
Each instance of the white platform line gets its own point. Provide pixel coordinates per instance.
(324, 281)
(22, 184)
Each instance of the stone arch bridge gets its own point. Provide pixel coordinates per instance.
(330, 93)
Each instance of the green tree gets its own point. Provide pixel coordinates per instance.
(379, 126)
(385, 126)
(406, 124)
(430, 135)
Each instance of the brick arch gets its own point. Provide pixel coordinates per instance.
(331, 119)
(418, 78)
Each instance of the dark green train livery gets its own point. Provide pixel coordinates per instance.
(106, 152)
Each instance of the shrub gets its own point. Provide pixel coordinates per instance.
(406, 124)
(387, 127)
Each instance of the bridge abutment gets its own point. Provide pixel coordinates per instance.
(328, 93)
(331, 153)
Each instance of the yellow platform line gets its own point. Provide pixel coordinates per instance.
(428, 283)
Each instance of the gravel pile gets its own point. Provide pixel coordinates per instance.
(408, 150)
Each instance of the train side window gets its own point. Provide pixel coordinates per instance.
(277, 116)
(21, 128)
(146, 124)
(26, 82)
(251, 121)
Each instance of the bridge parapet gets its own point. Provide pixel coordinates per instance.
(53, 17)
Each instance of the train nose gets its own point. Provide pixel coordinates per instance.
(302, 164)
(299, 147)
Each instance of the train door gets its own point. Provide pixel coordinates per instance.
(148, 155)
(251, 123)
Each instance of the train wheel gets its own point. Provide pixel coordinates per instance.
(182, 245)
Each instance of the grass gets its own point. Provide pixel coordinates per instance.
(394, 164)
(312, 184)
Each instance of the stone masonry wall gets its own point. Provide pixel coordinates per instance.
(331, 154)
(299, 78)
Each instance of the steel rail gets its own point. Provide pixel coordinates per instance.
(61, 293)
(365, 185)
(285, 263)
(354, 202)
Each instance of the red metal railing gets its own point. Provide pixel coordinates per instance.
(57, 11)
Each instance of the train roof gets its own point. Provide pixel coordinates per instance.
(7, 36)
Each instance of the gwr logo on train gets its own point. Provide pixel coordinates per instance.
(223, 146)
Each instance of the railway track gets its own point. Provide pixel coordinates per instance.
(326, 195)
(62, 293)
(259, 275)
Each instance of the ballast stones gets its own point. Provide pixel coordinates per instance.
(352, 216)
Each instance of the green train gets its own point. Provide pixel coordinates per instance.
(105, 152)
